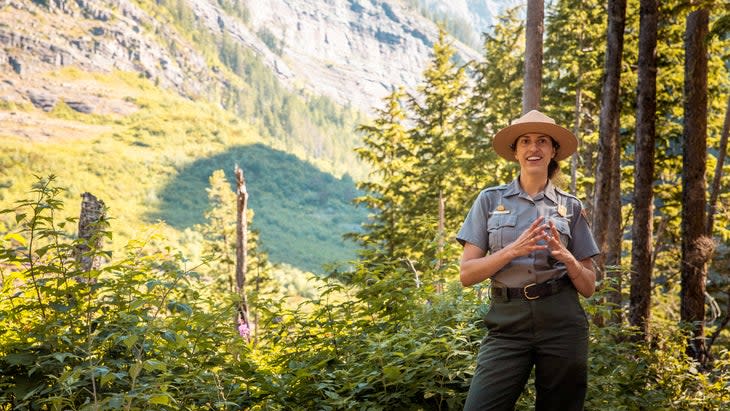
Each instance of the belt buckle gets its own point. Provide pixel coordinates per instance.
(524, 292)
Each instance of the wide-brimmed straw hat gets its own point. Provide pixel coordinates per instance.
(534, 122)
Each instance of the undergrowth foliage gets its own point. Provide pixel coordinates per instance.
(147, 331)
(138, 332)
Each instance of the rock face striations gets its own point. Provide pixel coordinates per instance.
(97, 36)
(353, 51)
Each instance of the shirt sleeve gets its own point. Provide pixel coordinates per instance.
(582, 243)
(474, 229)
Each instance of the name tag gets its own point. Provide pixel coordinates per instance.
(500, 210)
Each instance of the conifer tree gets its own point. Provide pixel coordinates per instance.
(494, 102)
(574, 52)
(219, 232)
(388, 152)
(219, 246)
(438, 138)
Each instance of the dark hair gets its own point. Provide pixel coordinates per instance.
(553, 168)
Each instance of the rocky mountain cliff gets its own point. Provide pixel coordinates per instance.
(353, 51)
(285, 70)
(479, 14)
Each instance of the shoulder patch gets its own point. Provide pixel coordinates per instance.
(585, 216)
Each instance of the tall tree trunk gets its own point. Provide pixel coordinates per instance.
(695, 246)
(91, 220)
(615, 237)
(241, 252)
(643, 228)
(534, 28)
(576, 131)
(715, 189)
(92, 223)
(607, 170)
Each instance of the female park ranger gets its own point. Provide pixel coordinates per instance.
(532, 241)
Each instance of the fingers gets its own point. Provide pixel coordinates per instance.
(556, 247)
(528, 241)
(536, 233)
(554, 235)
(539, 221)
(553, 229)
(537, 226)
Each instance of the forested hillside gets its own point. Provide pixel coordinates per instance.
(160, 324)
(233, 56)
(467, 20)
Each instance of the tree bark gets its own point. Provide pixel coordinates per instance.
(615, 237)
(91, 219)
(576, 131)
(534, 28)
(642, 231)
(607, 170)
(241, 252)
(695, 247)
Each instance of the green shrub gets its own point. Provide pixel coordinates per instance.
(140, 332)
(146, 332)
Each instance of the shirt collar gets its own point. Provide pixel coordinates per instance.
(550, 192)
(514, 188)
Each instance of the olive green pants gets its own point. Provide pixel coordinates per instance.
(551, 334)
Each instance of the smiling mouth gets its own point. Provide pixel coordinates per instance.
(534, 158)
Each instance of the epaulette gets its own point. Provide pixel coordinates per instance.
(567, 194)
(493, 188)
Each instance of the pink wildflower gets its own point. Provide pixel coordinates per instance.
(243, 330)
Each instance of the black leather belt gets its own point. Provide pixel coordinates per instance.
(531, 291)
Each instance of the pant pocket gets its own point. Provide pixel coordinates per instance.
(511, 317)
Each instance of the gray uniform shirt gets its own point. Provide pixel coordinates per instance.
(500, 214)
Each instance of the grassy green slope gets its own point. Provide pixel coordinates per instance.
(300, 211)
(155, 163)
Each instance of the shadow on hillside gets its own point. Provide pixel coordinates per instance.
(300, 212)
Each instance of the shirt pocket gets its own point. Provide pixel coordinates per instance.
(563, 227)
(501, 230)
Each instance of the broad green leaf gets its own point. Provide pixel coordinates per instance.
(391, 373)
(129, 340)
(20, 359)
(108, 377)
(154, 365)
(135, 369)
(61, 356)
(160, 399)
(16, 237)
(60, 307)
(169, 336)
(180, 307)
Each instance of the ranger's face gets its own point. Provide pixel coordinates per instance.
(534, 151)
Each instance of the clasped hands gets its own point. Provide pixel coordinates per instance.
(538, 231)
